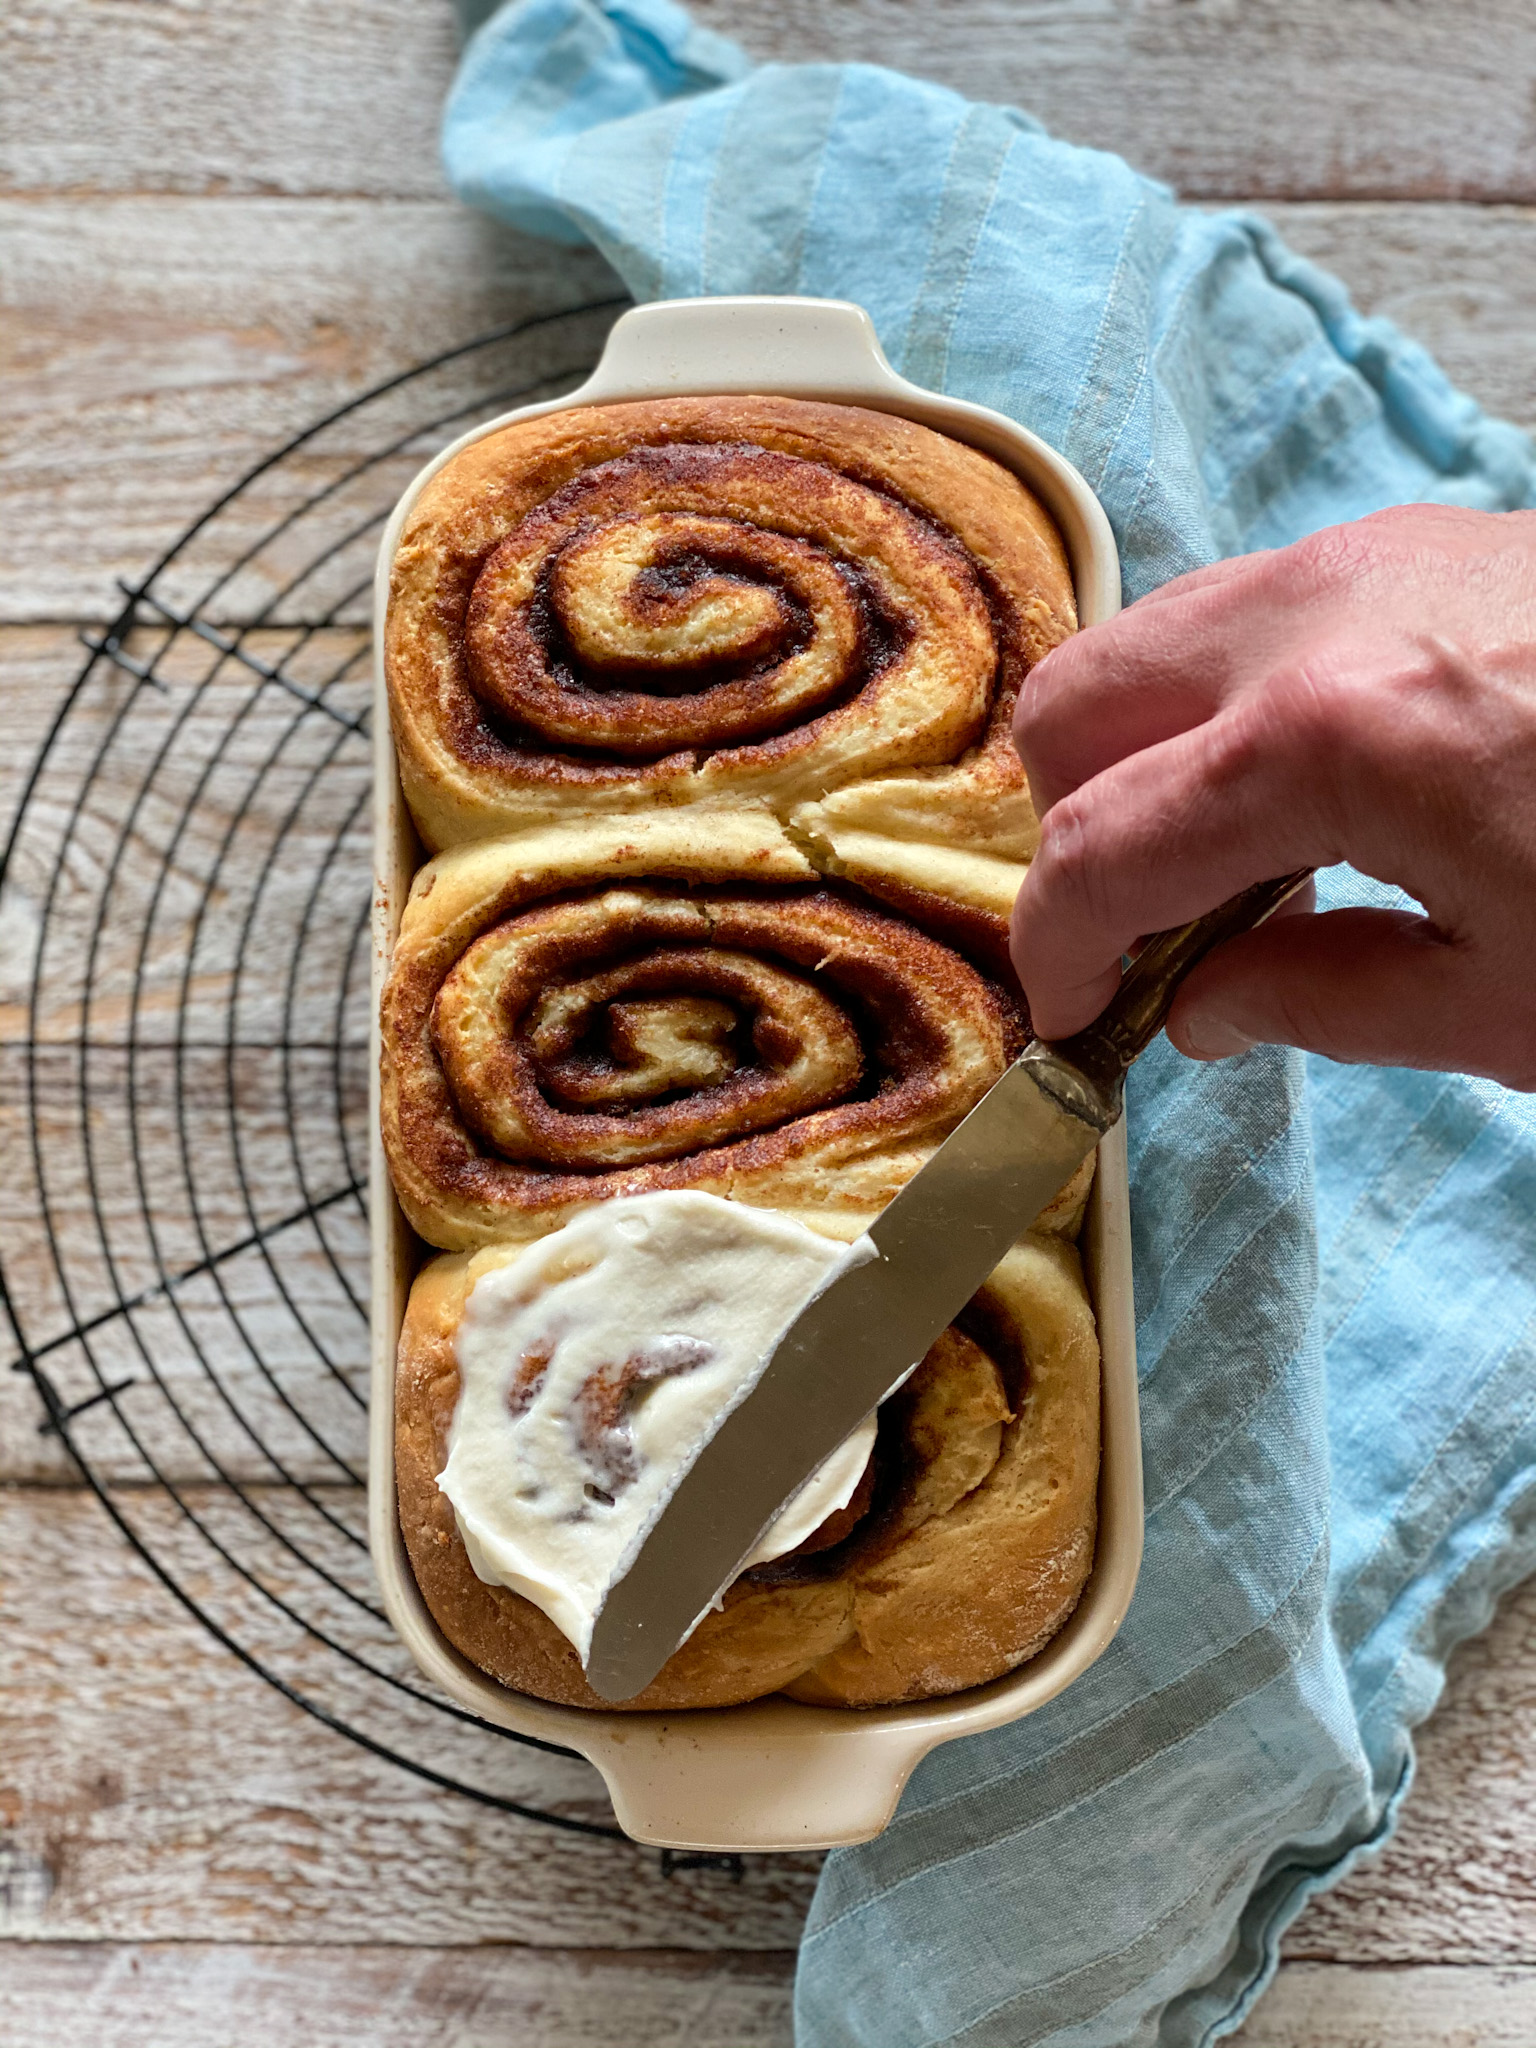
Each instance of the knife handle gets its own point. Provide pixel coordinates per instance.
(1138, 1009)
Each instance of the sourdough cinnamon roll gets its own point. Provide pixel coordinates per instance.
(705, 601)
(677, 1001)
(960, 1552)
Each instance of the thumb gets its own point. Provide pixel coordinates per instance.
(1380, 986)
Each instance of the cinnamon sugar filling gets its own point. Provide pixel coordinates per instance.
(684, 599)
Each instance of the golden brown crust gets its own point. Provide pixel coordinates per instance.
(974, 1550)
(669, 1002)
(704, 600)
(731, 679)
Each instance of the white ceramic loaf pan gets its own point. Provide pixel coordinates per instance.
(772, 1774)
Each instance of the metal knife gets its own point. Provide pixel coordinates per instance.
(855, 1342)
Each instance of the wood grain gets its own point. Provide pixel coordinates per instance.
(1462, 280)
(217, 1142)
(221, 221)
(1333, 2005)
(1277, 98)
(176, 339)
(159, 1792)
(156, 1790)
(1469, 1831)
(147, 1996)
(155, 1997)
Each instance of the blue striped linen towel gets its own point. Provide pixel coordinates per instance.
(1335, 1299)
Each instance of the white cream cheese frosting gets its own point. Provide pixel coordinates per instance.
(595, 1366)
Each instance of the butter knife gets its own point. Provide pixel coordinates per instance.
(857, 1340)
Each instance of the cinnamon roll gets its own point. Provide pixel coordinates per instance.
(703, 601)
(963, 1549)
(675, 1001)
(704, 703)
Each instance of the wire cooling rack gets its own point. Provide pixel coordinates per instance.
(185, 1259)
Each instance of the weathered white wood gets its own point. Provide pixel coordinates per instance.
(1279, 98)
(172, 1116)
(226, 1997)
(161, 345)
(1337, 2005)
(161, 1793)
(146, 1996)
(35, 665)
(1460, 279)
(216, 777)
(265, 1306)
(1302, 99)
(1458, 1883)
(148, 95)
(154, 347)
(156, 1790)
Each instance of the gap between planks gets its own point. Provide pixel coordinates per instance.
(158, 1792)
(1374, 102)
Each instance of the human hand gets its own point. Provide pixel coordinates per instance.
(1367, 695)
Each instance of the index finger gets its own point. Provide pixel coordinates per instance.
(1164, 664)
(1155, 840)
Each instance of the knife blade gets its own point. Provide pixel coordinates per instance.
(855, 1342)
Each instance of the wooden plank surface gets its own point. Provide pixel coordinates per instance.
(159, 1793)
(170, 340)
(143, 1996)
(1276, 98)
(1336, 2005)
(158, 346)
(224, 1997)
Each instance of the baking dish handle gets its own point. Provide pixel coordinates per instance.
(784, 1778)
(782, 345)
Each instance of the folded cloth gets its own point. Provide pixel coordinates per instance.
(1336, 1301)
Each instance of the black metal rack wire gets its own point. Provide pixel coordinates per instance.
(185, 1269)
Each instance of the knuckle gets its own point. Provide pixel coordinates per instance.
(1307, 708)
(1342, 555)
(1073, 865)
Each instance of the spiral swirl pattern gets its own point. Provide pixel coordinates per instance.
(553, 1038)
(707, 701)
(695, 1035)
(707, 599)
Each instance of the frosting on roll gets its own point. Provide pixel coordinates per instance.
(962, 1548)
(718, 600)
(667, 1003)
(595, 1367)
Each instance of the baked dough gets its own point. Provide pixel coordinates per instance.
(973, 1547)
(704, 704)
(707, 601)
(677, 1001)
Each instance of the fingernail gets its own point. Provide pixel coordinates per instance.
(1213, 1038)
